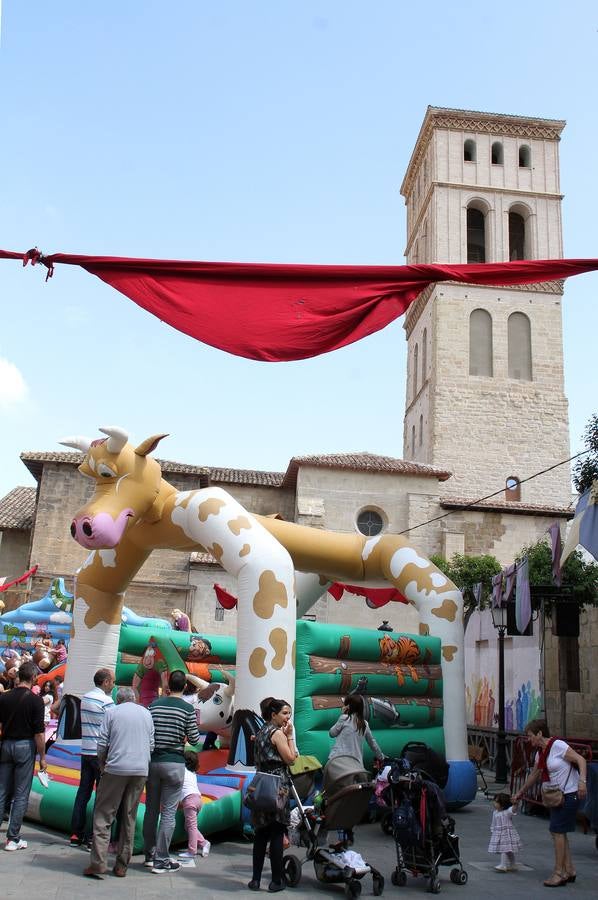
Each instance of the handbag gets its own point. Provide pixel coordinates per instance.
(552, 795)
(266, 793)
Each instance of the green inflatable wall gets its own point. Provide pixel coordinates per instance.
(402, 669)
(174, 646)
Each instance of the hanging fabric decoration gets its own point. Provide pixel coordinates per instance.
(556, 546)
(523, 603)
(276, 312)
(8, 584)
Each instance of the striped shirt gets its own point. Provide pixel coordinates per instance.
(174, 723)
(93, 707)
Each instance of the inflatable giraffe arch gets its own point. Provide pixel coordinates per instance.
(282, 568)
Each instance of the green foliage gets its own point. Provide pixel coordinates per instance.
(467, 571)
(579, 577)
(585, 470)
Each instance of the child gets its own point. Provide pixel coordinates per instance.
(191, 803)
(505, 839)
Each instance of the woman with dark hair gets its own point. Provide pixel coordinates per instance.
(274, 751)
(559, 764)
(351, 730)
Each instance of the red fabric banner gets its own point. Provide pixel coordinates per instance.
(225, 599)
(19, 580)
(374, 597)
(288, 312)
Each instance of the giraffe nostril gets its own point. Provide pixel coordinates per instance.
(86, 529)
(73, 529)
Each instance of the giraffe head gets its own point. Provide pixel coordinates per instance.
(128, 484)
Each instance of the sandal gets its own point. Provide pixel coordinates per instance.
(555, 880)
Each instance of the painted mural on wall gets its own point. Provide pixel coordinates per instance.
(522, 672)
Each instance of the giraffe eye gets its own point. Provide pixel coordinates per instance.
(105, 471)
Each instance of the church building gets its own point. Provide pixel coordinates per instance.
(485, 407)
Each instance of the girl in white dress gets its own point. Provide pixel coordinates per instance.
(504, 836)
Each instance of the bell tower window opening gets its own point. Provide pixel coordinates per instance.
(476, 235)
(413, 441)
(480, 343)
(424, 356)
(415, 365)
(497, 155)
(516, 237)
(421, 430)
(512, 488)
(469, 151)
(519, 336)
(525, 157)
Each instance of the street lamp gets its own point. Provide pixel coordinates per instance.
(499, 620)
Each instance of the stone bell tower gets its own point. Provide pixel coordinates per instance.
(485, 390)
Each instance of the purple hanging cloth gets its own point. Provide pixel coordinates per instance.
(556, 545)
(523, 600)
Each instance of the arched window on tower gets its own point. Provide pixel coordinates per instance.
(469, 150)
(415, 364)
(421, 430)
(476, 235)
(480, 343)
(519, 334)
(424, 356)
(497, 156)
(512, 488)
(413, 441)
(525, 157)
(516, 237)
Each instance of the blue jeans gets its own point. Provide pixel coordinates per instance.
(17, 759)
(90, 776)
(163, 789)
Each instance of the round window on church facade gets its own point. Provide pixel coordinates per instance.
(369, 522)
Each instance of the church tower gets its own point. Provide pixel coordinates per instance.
(485, 389)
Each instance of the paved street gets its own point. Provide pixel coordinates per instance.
(50, 868)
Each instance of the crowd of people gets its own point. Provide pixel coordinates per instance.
(44, 654)
(128, 747)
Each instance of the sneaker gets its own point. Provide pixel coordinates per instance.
(75, 840)
(187, 854)
(149, 860)
(16, 845)
(161, 868)
(500, 869)
(205, 850)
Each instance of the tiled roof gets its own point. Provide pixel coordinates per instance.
(246, 476)
(511, 506)
(34, 461)
(17, 509)
(201, 558)
(362, 462)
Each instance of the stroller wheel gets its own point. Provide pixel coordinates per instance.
(353, 888)
(399, 878)
(434, 885)
(458, 876)
(292, 870)
(378, 886)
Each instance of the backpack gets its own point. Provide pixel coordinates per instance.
(405, 827)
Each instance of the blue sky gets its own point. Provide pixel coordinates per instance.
(249, 131)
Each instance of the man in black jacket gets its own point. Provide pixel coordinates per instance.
(23, 736)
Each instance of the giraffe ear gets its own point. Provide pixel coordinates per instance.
(149, 444)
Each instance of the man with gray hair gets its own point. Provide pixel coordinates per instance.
(125, 743)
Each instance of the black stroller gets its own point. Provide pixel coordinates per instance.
(347, 792)
(423, 833)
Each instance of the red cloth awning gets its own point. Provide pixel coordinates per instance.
(288, 312)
